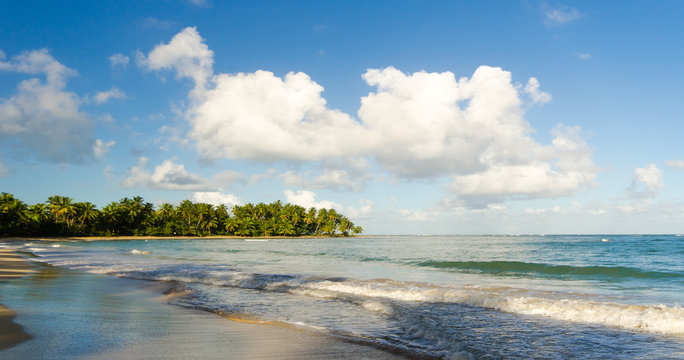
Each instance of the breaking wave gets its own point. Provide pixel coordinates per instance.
(518, 268)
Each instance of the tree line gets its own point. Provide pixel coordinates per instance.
(61, 216)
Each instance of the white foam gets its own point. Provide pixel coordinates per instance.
(140, 252)
(661, 319)
(377, 306)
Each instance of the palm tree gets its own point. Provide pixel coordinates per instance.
(63, 209)
(87, 212)
(231, 226)
(13, 215)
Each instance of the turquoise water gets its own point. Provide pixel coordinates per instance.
(558, 296)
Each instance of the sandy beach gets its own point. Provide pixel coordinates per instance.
(12, 266)
(124, 238)
(68, 314)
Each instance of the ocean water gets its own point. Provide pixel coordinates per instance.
(481, 297)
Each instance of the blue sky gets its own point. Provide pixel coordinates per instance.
(411, 117)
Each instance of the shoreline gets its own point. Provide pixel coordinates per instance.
(123, 238)
(12, 266)
(74, 314)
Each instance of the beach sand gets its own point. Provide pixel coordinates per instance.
(12, 266)
(72, 314)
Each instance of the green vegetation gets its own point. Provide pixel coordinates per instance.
(61, 216)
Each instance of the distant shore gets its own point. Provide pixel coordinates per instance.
(114, 238)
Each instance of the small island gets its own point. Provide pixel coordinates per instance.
(61, 216)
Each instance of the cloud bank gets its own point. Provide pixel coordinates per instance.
(413, 125)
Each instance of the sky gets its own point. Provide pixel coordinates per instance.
(410, 117)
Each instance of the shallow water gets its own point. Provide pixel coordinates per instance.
(444, 296)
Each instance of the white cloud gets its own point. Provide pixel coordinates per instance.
(560, 15)
(114, 93)
(216, 198)
(537, 96)
(43, 117)
(186, 53)
(119, 60)
(647, 182)
(307, 199)
(675, 164)
(549, 171)
(430, 124)
(100, 148)
(166, 176)
(420, 125)
(289, 112)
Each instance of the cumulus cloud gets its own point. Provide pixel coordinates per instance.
(550, 171)
(114, 93)
(169, 175)
(560, 15)
(101, 148)
(216, 198)
(647, 182)
(485, 143)
(42, 117)
(307, 199)
(186, 53)
(288, 115)
(675, 164)
(119, 61)
(537, 96)
(419, 125)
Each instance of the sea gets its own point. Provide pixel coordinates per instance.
(452, 297)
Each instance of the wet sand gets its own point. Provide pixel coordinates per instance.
(87, 316)
(12, 266)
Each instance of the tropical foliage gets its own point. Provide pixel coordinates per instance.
(61, 216)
